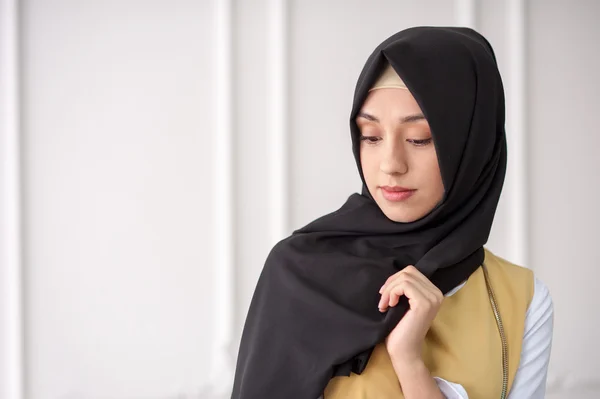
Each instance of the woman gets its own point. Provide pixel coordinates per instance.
(393, 295)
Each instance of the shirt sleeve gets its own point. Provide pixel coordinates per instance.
(451, 390)
(530, 380)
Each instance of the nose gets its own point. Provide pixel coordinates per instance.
(393, 159)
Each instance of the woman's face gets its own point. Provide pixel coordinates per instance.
(397, 154)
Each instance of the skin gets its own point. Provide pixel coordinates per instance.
(405, 342)
(397, 150)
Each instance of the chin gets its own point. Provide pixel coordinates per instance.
(396, 214)
(401, 218)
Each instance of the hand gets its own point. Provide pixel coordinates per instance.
(405, 342)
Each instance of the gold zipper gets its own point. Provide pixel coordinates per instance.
(500, 329)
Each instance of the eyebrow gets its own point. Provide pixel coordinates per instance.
(406, 119)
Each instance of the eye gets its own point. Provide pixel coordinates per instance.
(370, 139)
(420, 142)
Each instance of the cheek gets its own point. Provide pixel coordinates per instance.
(434, 176)
(369, 166)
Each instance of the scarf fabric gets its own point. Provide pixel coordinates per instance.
(314, 312)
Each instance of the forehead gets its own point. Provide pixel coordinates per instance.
(391, 101)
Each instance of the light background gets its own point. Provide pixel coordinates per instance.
(153, 151)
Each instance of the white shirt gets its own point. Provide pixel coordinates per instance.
(530, 380)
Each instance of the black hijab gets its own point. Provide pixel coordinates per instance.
(314, 313)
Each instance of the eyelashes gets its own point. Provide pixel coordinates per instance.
(421, 142)
(372, 140)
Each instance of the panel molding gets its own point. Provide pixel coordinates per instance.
(277, 109)
(466, 13)
(11, 264)
(223, 360)
(516, 98)
(516, 103)
(224, 357)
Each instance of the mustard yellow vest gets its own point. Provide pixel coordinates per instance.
(463, 344)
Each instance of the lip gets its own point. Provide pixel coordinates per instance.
(396, 193)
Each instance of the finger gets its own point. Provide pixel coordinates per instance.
(395, 293)
(411, 289)
(413, 271)
(398, 277)
(387, 282)
(430, 292)
(383, 301)
(428, 288)
(385, 294)
(416, 273)
(392, 278)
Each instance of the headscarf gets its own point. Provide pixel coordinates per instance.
(314, 312)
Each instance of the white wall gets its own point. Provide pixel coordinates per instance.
(564, 100)
(138, 267)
